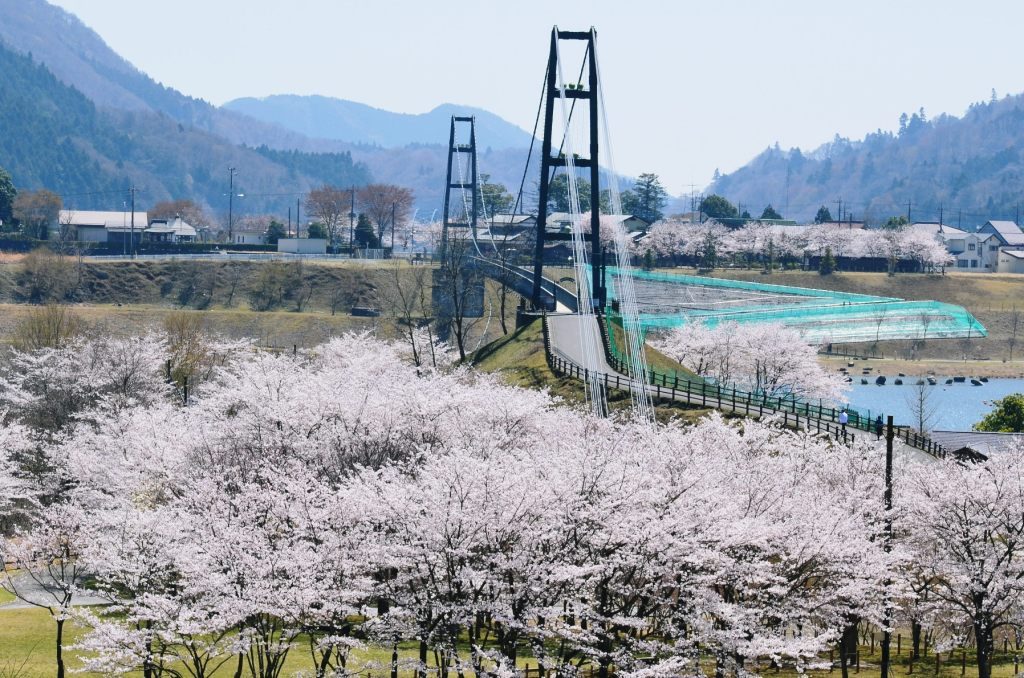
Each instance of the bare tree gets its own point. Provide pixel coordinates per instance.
(36, 210)
(458, 290)
(923, 407)
(380, 201)
(45, 277)
(879, 317)
(1014, 326)
(49, 327)
(330, 205)
(401, 294)
(234, 272)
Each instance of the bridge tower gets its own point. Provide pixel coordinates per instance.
(550, 164)
(457, 186)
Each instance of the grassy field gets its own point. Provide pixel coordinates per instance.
(275, 304)
(27, 651)
(519, 360)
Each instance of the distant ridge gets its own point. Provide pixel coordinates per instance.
(322, 117)
(971, 168)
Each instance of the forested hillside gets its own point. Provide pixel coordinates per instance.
(78, 57)
(54, 137)
(971, 167)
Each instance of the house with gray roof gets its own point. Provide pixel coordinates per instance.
(1007, 232)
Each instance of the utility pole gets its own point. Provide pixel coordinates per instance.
(298, 222)
(231, 202)
(959, 218)
(909, 205)
(132, 191)
(352, 222)
(289, 220)
(940, 215)
(887, 499)
(839, 211)
(393, 229)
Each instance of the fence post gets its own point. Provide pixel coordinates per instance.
(938, 662)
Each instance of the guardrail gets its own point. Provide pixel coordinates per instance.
(666, 388)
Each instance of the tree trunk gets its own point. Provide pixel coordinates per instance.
(985, 644)
(915, 639)
(60, 648)
(422, 670)
(501, 315)
(848, 646)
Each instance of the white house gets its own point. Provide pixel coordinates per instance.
(173, 231)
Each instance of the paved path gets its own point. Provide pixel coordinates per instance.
(33, 591)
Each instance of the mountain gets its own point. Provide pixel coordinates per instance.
(80, 58)
(55, 137)
(971, 168)
(326, 118)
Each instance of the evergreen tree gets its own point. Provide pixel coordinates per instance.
(650, 197)
(717, 207)
(275, 232)
(823, 216)
(366, 236)
(494, 198)
(7, 196)
(770, 213)
(558, 194)
(827, 266)
(317, 230)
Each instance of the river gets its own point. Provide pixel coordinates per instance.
(957, 407)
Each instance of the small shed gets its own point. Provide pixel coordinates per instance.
(302, 245)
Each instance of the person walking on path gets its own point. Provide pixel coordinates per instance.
(843, 419)
(879, 426)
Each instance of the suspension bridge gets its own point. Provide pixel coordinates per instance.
(579, 339)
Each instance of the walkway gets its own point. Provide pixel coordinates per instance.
(563, 344)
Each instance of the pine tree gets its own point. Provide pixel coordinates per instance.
(828, 263)
(365, 235)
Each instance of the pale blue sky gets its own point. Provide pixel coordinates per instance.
(690, 86)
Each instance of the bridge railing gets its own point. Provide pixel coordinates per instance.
(816, 417)
(719, 399)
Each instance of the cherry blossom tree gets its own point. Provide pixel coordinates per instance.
(964, 523)
(763, 358)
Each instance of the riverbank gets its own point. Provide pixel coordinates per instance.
(931, 367)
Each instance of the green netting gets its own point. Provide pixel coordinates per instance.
(668, 300)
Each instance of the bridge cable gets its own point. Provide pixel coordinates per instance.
(590, 353)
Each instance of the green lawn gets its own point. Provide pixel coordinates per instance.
(27, 651)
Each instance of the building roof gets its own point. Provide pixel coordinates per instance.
(945, 230)
(177, 227)
(511, 219)
(1008, 231)
(1016, 254)
(109, 220)
(566, 218)
(979, 441)
(1004, 227)
(852, 225)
